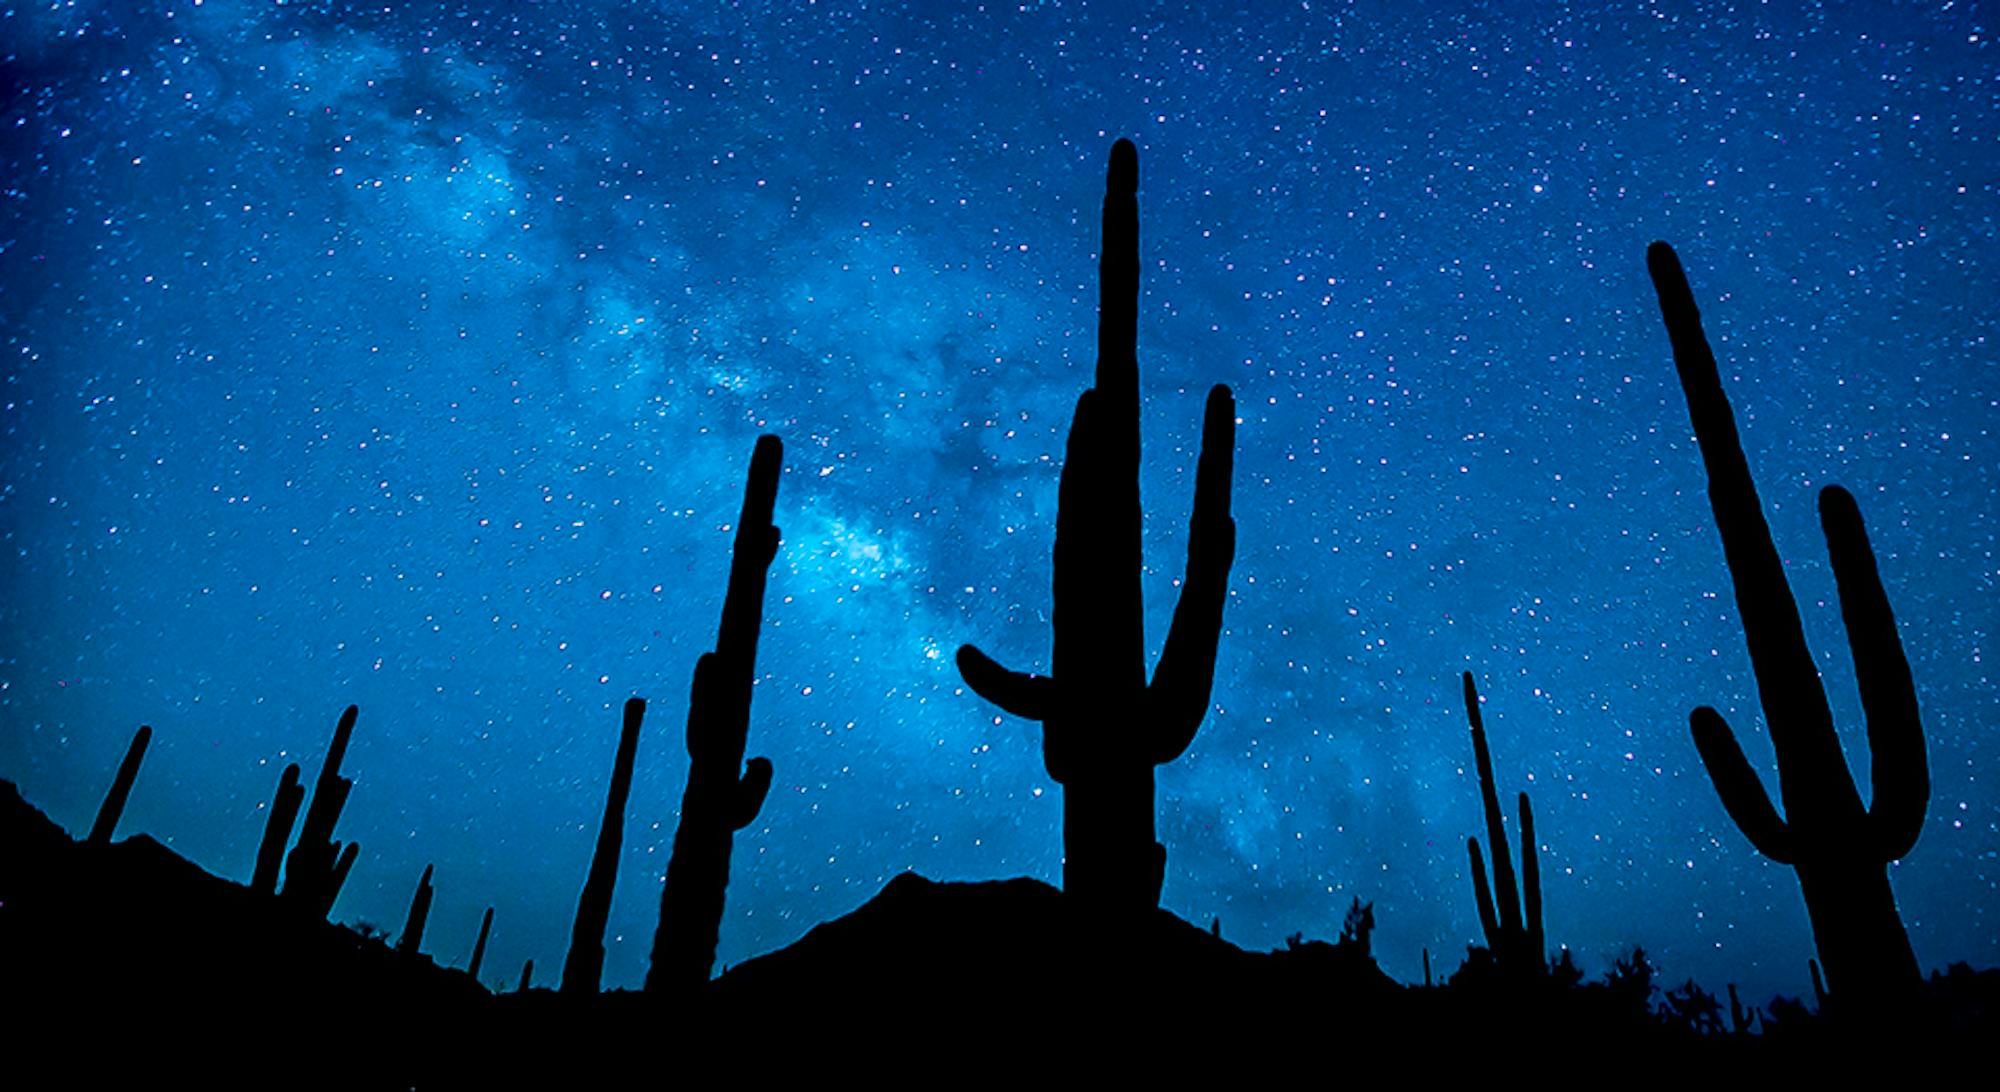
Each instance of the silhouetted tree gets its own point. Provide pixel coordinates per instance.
(1840, 849)
(318, 865)
(1104, 727)
(584, 969)
(723, 792)
(121, 787)
(1512, 922)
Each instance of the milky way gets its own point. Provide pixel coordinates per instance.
(413, 359)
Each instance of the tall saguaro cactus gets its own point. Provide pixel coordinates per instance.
(583, 971)
(723, 792)
(1839, 848)
(1104, 726)
(420, 913)
(113, 807)
(318, 865)
(1513, 924)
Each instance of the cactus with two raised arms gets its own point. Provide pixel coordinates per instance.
(1104, 726)
(1839, 848)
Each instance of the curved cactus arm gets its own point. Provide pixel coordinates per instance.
(1032, 697)
(751, 790)
(1177, 700)
(1488, 923)
(1901, 770)
(1743, 795)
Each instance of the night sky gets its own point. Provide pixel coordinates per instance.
(412, 358)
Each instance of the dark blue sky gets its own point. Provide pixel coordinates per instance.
(413, 358)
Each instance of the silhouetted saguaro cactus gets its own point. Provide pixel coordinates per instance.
(1104, 727)
(527, 977)
(420, 912)
(121, 788)
(723, 792)
(479, 946)
(318, 865)
(584, 969)
(278, 831)
(1840, 849)
(1513, 924)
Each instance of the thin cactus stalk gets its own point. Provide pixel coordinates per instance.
(317, 866)
(121, 788)
(724, 794)
(278, 831)
(1515, 939)
(527, 977)
(584, 969)
(1104, 726)
(1839, 848)
(479, 946)
(420, 912)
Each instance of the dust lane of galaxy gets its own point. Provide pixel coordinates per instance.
(411, 356)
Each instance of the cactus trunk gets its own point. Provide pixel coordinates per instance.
(121, 788)
(318, 866)
(420, 913)
(583, 971)
(723, 793)
(479, 946)
(278, 831)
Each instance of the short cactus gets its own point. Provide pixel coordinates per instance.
(113, 807)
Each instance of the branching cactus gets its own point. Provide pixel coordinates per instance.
(1512, 923)
(318, 865)
(1104, 727)
(1839, 848)
(723, 792)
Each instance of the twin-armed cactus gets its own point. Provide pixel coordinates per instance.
(584, 969)
(723, 793)
(318, 865)
(1514, 927)
(1104, 727)
(1839, 848)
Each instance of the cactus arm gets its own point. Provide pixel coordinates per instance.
(1901, 769)
(751, 790)
(1507, 899)
(1531, 884)
(1178, 698)
(1488, 923)
(1743, 795)
(1030, 697)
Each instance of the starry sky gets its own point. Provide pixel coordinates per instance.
(411, 355)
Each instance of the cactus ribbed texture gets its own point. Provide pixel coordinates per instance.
(278, 831)
(420, 912)
(723, 792)
(1839, 848)
(121, 788)
(479, 946)
(318, 865)
(1104, 727)
(1512, 923)
(584, 968)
